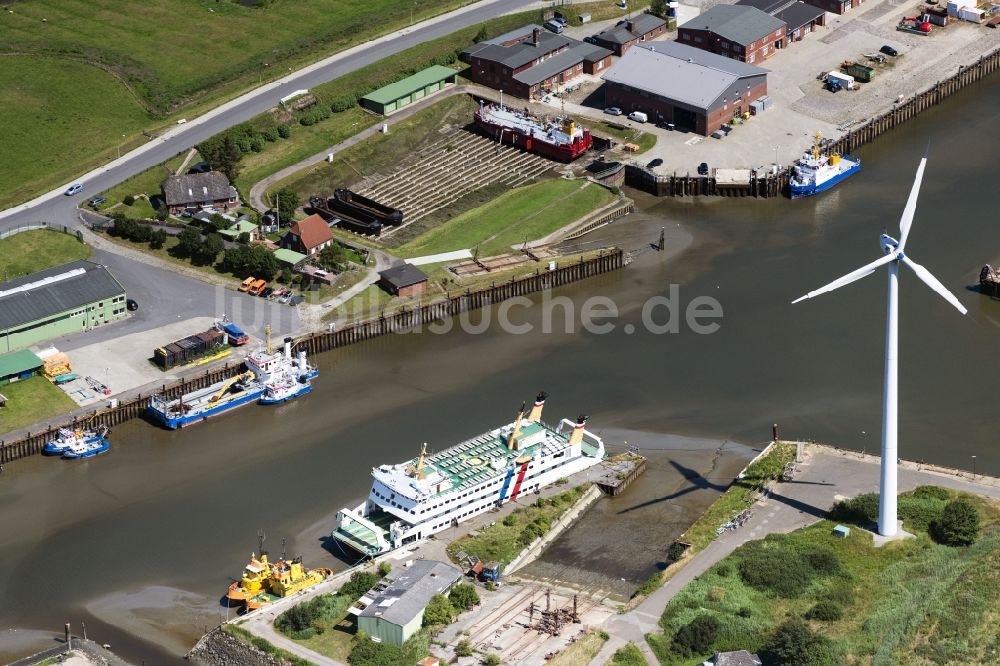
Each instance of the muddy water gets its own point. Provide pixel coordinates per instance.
(140, 544)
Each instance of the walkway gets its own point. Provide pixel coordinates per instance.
(826, 475)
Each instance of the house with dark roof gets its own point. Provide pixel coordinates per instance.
(530, 61)
(799, 18)
(735, 658)
(403, 280)
(308, 236)
(674, 83)
(834, 6)
(77, 296)
(629, 32)
(195, 191)
(394, 610)
(740, 32)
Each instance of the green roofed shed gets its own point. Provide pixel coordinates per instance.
(290, 257)
(19, 365)
(396, 95)
(243, 226)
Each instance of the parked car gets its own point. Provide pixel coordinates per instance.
(613, 111)
(590, 40)
(287, 296)
(703, 168)
(200, 167)
(552, 26)
(560, 20)
(96, 201)
(131, 305)
(73, 189)
(257, 287)
(889, 51)
(638, 116)
(655, 163)
(296, 300)
(267, 293)
(249, 282)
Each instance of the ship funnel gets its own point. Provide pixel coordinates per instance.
(536, 409)
(516, 432)
(302, 363)
(288, 348)
(577, 435)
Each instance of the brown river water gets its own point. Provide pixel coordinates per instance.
(140, 544)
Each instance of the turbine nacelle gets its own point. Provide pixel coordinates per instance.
(889, 244)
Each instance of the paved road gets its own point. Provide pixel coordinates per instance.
(54, 207)
(827, 475)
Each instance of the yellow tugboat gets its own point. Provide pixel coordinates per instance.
(265, 581)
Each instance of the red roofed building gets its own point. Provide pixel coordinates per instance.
(308, 236)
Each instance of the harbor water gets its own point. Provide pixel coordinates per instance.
(142, 543)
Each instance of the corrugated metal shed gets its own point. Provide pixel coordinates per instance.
(54, 291)
(407, 86)
(410, 591)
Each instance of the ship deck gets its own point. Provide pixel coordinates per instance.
(361, 538)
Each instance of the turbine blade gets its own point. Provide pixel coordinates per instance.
(932, 282)
(911, 204)
(853, 276)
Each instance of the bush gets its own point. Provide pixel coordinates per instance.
(920, 512)
(360, 582)
(675, 552)
(822, 560)
(439, 611)
(270, 134)
(510, 520)
(284, 131)
(931, 492)
(464, 648)
(257, 143)
(491, 660)
(128, 200)
(744, 611)
(157, 239)
(779, 571)
(857, 510)
(959, 524)
(825, 611)
(141, 234)
(794, 644)
(628, 655)
(384, 569)
(696, 637)
(343, 103)
(367, 652)
(463, 596)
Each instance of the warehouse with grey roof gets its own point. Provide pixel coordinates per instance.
(74, 297)
(739, 32)
(694, 90)
(394, 610)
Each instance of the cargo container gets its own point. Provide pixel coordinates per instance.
(860, 72)
(187, 349)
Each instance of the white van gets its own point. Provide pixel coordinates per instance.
(638, 116)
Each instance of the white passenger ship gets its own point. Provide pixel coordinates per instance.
(416, 499)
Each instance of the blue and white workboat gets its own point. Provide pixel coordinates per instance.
(284, 377)
(814, 173)
(78, 441)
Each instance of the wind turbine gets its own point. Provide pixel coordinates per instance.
(894, 256)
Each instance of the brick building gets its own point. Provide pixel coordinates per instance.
(403, 280)
(629, 32)
(739, 32)
(674, 83)
(799, 18)
(834, 6)
(530, 61)
(195, 191)
(307, 236)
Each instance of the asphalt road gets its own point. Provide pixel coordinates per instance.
(56, 208)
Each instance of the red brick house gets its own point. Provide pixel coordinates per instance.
(403, 280)
(834, 6)
(197, 191)
(799, 18)
(530, 61)
(629, 32)
(308, 236)
(739, 32)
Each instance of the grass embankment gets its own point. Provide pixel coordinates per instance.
(528, 212)
(908, 602)
(624, 134)
(505, 540)
(599, 11)
(628, 655)
(146, 183)
(582, 651)
(30, 401)
(381, 153)
(59, 117)
(36, 250)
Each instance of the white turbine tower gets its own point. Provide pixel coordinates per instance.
(894, 256)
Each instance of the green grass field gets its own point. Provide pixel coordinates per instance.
(30, 401)
(582, 651)
(909, 602)
(59, 117)
(525, 212)
(31, 251)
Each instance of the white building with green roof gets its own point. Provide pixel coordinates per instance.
(435, 491)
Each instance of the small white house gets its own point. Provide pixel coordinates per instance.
(971, 14)
(845, 80)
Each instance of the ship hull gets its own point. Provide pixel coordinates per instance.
(93, 449)
(301, 390)
(175, 422)
(803, 191)
(54, 448)
(564, 153)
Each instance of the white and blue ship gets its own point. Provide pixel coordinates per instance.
(271, 378)
(78, 443)
(815, 173)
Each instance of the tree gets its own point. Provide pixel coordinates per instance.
(482, 35)
(367, 652)
(332, 257)
(439, 611)
(794, 644)
(361, 582)
(658, 8)
(228, 159)
(219, 222)
(958, 525)
(463, 596)
(696, 637)
(210, 249)
(285, 277)
(124, 227)
(141, 233)
(464, 648)
(188, 242)
(263, 263)
(128, 200)
(157, 239)
(287, 201)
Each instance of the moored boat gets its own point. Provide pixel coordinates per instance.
(87, 449)
(68, 438)
(559, 139)
(283, 376)
(814, 173)
(263, 581)
(194, 407)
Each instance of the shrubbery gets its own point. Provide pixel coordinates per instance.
(825, 611)
(439, 611)
(463, 596)
(775, 566)
(858, 510)
(309, 618)
(696, 637)
(958, 525)
(367, 652)
(360, 582)
(794, 644)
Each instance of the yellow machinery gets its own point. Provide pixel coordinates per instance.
(225, 387)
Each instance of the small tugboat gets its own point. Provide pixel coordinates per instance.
(263, 581)
(88, 448)
(283, 377)
(75, 440)
(814, 173)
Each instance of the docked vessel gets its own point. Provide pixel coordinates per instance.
(263, 581)
(559, 139)
(205, 403)
(282, 376)
(814, 173)
(77, 441)
(430, 493)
